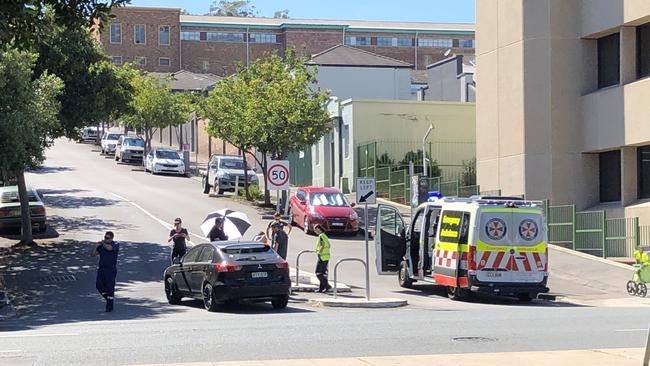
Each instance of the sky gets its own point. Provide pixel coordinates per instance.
(437, 11)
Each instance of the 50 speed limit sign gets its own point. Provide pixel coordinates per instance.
(278, 175)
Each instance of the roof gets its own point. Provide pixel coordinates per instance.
(342, 55)
(419, 77)
(189, 81)
(349, 25)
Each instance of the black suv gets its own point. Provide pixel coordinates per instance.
(225, 271)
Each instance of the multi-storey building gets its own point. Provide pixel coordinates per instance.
(562, 104)
(164, 40)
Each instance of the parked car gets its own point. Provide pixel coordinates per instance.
(129, 148)
(325, 206)
(10, 214)
(89, 134)
(221, 272)
(109, 141)
(223, 172)
(164, 160)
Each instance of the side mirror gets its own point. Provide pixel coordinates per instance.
(176, 260)
(353, 204)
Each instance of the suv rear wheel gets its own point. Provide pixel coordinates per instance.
(280, 302)
(173, 297)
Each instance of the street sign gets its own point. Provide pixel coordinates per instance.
(186, 147)
(366, 192)
(278, 175)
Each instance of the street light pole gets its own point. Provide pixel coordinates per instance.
(424, 152)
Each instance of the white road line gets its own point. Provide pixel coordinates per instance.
(160, 221)
(632, 330)
(38, 335)
(11, 351)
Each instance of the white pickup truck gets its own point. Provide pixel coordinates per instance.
(224, 172)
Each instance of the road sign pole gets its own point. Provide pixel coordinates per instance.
(365, 231)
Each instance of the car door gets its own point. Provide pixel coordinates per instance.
(299, 207)
(182, 277)
(200, 268)
(390, 240)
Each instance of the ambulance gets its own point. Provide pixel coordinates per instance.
(495, 245)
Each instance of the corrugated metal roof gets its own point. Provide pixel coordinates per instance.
(187, 80)
(342, 55)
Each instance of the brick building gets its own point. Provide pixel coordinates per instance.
(163, 40)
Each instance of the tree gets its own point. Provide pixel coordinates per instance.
(155, 106)
(113, 90)
(232, 8)
(468, 177)
(27, 113)
(281, 14)
(270, 106)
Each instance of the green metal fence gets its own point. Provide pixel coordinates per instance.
(561, 225)
(398, 183)
(450, 189)
(367, 159)
(590, 232)
(383, 182)
(468, 191)
(621, 236)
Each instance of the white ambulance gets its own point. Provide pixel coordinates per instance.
(496, 245)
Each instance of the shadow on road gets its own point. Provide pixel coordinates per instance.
(246, 308)
(70, 201)
(51, 169)
(71, 224)
(56, 284)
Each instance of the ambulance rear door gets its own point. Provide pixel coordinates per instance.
(390, 240)
(529, 242)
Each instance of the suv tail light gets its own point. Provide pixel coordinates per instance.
(5, 212)
(38, 210)
(471, 261)
(228, 267)
(282, 265)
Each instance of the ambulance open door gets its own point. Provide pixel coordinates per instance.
(390, 240)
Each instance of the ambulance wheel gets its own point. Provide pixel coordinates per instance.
(631, 288)
(456, 293)
(524, 297)
(641, 290)
(403, 276)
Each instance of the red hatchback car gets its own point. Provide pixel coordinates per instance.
(325, 206)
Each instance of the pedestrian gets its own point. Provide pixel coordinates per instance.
(323, 251)
(179, 235)
(216, 233)
(262, 238)
(277, 219)
(107, 250)
(280, 240)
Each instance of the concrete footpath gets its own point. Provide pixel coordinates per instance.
(592, 357)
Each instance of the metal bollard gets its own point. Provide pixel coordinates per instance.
(298, 265)
(349, 260)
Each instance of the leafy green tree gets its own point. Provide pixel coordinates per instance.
(29, 110)
(232, 8)
(271, 106)
(113, 90)
(468, 177)
(155, 106)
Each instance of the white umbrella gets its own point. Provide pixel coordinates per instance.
(235, 223)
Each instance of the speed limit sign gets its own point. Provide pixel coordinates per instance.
(278, 175)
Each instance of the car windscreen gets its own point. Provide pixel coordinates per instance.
(12, 197)
(134, 142)
(328, 199)
(234, 164)
(246, 249)
(167, 154)
(113, 136)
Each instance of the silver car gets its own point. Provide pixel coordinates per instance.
(10, 214)
(164, 160)
(109, 141)
(129, 148)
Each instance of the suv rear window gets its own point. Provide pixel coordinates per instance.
(246, 249)
(235, 164)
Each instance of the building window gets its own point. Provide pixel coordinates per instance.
(386, 41)
(317, 153)
(163, 61)
(435, 42)
(116, 60)
(139, 34)
(140, 61)
(643, 50)
(405, 42)
(608, 60)
(609, 167)
(643, 174)
(163, 35)
(466, 43)
(224, 37)
(357, 41)
(262, 38)
(190, 36)
(346, 141)
(116, 33)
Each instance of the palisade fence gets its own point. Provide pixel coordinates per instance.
(387, 162)
(594, 233)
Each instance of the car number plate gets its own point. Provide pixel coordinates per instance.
(259, 274)
(494, 274)
(338, 224)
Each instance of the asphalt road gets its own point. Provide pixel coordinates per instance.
(62, 321)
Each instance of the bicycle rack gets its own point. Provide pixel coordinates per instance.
(298, 265)
(350, 260)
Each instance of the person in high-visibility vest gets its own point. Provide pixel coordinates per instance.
(323, 250)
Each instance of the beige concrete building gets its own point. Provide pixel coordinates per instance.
(563, 101)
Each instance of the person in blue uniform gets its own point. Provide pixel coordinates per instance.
(107, 251)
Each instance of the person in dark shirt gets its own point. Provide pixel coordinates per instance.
(107, 251)
(280, 240)
(179, 235)
(216, 233)
(277, 219)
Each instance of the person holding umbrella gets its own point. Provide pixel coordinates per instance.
(217, 233)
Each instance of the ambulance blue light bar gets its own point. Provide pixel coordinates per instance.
(433, 196)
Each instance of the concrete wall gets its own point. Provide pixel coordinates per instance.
(444, 83)
(366, 82)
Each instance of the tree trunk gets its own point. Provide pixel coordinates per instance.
(243, 154)
(27, 237)
(267, 193)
